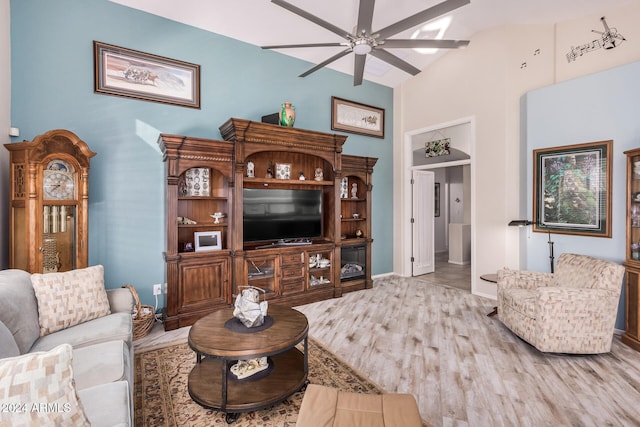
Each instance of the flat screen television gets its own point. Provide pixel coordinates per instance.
(273, 214)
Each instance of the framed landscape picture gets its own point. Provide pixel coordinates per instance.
(349, 116)
(572, 189)
(133, 74)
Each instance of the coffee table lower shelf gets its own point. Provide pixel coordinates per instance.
(287, 376)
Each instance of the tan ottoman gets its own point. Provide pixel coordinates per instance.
(327, 407)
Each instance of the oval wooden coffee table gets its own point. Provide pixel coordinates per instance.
(218, 346)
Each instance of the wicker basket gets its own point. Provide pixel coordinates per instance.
(142, 322)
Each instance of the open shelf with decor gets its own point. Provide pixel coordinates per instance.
(355, 222)
(203, 205)
(199, 202)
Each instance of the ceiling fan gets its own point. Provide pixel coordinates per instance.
(364, 41)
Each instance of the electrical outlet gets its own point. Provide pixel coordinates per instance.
(157, 289)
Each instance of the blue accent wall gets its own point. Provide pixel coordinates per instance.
(597, 107)
(52, 88)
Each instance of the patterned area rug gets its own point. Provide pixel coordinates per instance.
(162, 399)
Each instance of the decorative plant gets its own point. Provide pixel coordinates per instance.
(436, 148)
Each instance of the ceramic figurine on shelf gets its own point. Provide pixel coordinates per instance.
(216, 216)
(251, 169)
(185, 220)
(302, 177)
(319, 175)
(354, 190)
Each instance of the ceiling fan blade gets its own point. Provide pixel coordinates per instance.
(287, 46)
(326, 62)
(417, 43)
(365, 16)
(421, 17)
(358, 70)
(309, 17)
(395, 61)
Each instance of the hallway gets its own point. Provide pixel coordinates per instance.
(447, 274)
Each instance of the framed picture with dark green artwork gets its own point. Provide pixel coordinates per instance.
(572, 189)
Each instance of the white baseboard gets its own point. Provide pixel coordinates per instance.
(379, 276)
(459, 263)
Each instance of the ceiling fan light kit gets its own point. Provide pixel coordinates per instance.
(364, 41)
(362, 46)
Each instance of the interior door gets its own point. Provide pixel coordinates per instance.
(423, 258)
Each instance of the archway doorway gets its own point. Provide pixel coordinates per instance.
(453, 233)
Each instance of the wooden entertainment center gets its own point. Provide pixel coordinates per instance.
(208, 260)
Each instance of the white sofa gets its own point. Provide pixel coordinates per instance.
(99, 350)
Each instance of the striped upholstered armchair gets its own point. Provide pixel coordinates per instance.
(570, 311)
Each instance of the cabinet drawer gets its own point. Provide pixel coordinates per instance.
(291, 286)
(292, 272)
(292, 259)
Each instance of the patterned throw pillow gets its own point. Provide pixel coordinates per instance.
(70, 298)
(37, 389)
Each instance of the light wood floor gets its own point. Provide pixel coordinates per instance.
(465, 369)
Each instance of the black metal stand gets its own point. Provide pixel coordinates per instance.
(550, 251)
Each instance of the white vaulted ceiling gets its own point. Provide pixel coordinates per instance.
(260, 22)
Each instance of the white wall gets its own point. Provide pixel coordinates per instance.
(456, 194)
(572, 112)
(5, 123)
(440, 223)
(486, 81)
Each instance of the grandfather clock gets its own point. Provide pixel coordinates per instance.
(49, 202)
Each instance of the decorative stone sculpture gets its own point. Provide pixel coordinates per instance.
(248, 308)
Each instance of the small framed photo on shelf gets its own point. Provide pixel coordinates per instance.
(207, 240)
(283, 171)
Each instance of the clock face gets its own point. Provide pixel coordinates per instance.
(58, 182)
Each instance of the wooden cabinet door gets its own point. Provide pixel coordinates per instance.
(202, 285)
